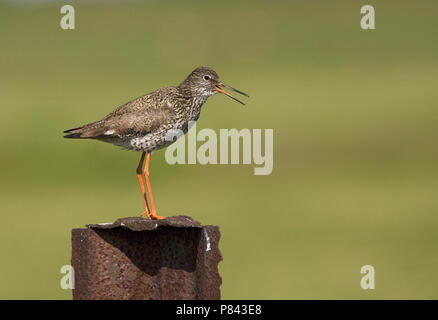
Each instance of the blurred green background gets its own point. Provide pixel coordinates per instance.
(354, 114)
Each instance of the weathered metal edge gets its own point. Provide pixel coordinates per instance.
(142, 224)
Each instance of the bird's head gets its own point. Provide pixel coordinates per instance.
(205, 82)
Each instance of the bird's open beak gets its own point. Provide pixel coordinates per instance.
(220, 90)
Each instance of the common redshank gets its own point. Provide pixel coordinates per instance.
(143, 124)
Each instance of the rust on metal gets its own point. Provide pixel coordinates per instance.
(136, 258)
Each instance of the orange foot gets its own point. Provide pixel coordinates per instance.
(146, 214)
(155, 216)
(152, 215)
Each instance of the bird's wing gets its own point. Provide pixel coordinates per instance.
(135, 123)
(137, 117)
(154, 100)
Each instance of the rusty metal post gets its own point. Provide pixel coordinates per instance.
(136, 258)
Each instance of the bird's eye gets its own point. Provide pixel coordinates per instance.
(207, 78)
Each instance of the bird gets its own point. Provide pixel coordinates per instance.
(143, 123)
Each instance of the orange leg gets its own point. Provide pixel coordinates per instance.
(154, 214)
(143, 192)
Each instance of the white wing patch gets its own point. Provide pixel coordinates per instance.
(109, 132)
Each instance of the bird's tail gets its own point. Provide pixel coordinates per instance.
(74, 133)
(88, 131)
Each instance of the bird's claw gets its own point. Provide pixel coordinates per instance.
(152, 216)
(155, 216)
(146, 214)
